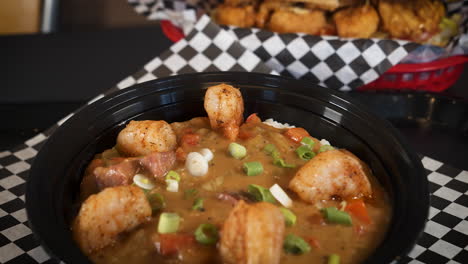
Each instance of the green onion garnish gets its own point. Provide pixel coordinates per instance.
(281, 163)
(168, 223)
(190, 193)
(325, 148)
(253, 168)
(260, 193)
(156, 201)
(198, 204)
(271, 150)
(289, 217)
(305, 153)
(206, 234)
(295, 245)
(237, 150)
(333, 259)
(333, 215)
(172, 175)
(308, 141)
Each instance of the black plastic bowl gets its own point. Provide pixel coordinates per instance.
(57, 170)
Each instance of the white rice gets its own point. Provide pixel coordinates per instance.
(324, 142)
(276, 124)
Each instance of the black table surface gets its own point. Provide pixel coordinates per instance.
(45, 77)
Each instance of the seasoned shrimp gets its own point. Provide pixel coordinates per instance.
(106, 214)
(225, 107)
(329, 174)
(140, 138)
(252, 233)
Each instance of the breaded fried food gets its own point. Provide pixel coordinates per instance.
(328, 5)
(357, 22)
(284, 18)
(415, 20)
(235, 16)
(240, 2)
(298, 20)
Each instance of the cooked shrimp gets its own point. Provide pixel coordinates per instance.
(105, 215)
(225, 106)
(139, 138)
(252, 233)
(332, 173)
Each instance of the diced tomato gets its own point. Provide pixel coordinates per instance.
(253, 119)
(190, 139)
(357, 208)
(181, 155)
(314, 242)
(296, 134)
(169, 244)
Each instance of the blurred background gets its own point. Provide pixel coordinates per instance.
(36, 16)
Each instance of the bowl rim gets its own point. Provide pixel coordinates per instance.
(125, 95)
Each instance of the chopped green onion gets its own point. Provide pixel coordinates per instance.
(324, 148)
(237, 150)
(207, 234)
(190, 193)
(156, 201)
(253, 168)
(305, 153)
(308, 141)
(281, 163)
(289, 217)
(295, 245)
(333, 259)
(198, 204)
(333, 215)
(168, 223)
(172, 175)
(269, 149)
(260, 193)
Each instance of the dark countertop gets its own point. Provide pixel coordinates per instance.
(45, 77)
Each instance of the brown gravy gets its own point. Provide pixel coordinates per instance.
(225, 175)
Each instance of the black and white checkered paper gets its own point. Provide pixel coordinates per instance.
(445, 238)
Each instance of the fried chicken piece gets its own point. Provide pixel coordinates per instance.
(240, 2)
(328, 5)
(235, 16)
(297, 20)
(415, 20)
(356, 22)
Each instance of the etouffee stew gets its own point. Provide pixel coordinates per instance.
(220, 189)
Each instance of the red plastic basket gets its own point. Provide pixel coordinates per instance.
(434, 76)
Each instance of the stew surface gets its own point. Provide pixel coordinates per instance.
(218, 213)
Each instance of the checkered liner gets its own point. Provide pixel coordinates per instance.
(330, 61)
(445, 239)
